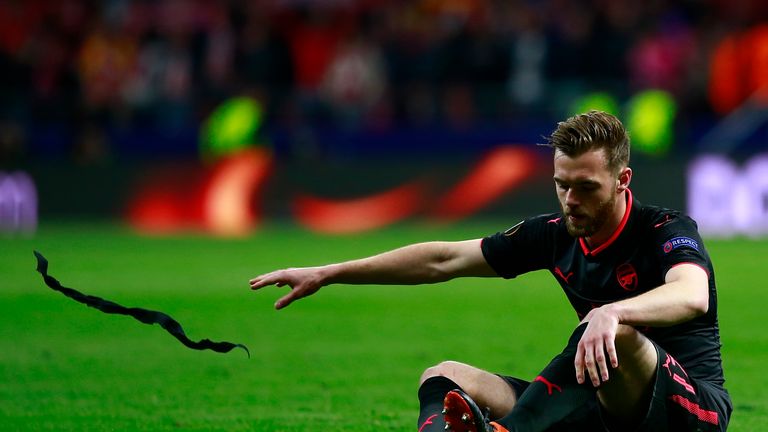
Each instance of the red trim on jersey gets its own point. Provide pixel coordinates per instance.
(614, 236)
(693, 264)
(696, 409)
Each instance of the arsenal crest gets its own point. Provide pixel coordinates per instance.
(627, 276)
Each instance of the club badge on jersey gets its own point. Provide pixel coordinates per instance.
(626, 275)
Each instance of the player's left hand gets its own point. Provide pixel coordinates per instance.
(597, 343)
(302, 281)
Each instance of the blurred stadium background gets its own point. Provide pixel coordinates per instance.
(138, 136)
(110, 107)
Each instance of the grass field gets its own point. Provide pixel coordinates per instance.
(347, 359)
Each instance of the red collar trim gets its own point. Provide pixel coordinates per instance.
(614, 236)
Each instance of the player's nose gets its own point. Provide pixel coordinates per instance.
(571, 200)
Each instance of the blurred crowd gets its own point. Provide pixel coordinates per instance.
(358, 64)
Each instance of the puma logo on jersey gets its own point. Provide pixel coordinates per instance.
(563, 276)
(667, 219)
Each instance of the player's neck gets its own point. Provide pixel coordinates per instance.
(612, 224)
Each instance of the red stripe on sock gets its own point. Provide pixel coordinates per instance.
(427, 422)
(695, 409)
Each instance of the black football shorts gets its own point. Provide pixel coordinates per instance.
(679, 403)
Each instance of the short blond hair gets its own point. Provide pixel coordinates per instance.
(591, 131)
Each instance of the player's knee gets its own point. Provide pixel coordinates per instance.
(624, 330)
(627, 336)
(632, 345)
(446, 369)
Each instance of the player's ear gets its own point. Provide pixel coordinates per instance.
(625, 177)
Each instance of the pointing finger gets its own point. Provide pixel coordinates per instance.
(264, 280)
(286, 300)
(600, 361)
(611, 349)
(579, 364)
(259, 283)
(589, 360)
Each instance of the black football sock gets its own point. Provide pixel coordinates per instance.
(431, 395)
(552, 395)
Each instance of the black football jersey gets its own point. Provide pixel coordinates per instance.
(648, 243)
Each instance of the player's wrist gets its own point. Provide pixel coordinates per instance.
(615, 311)
(333, 273)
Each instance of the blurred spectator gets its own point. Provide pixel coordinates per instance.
(263, 59)
(12, 145)
(106, 60)
(164, 65)
(355, 79)
(528, 53)
(661, 56)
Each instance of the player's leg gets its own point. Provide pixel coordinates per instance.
(552, 397)
(653, 390)
(489, 390)
(649, 388)
(626, 396)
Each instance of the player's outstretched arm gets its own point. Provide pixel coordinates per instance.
(415, 264)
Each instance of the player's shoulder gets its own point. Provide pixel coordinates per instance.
(667, 230)
(664, 225)
(550, 222)
(543, 227)
(656, 217)
(548, 218)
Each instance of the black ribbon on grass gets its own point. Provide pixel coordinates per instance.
(146, 316)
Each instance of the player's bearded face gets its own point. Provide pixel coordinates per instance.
(584, 222)
(585, 189)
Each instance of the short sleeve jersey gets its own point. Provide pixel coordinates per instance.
(647, 244)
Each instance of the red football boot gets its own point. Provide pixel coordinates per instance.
(461, 414)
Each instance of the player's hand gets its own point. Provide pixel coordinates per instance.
(597, 346)
(302, 281)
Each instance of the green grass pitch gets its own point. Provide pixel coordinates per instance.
(346, 359)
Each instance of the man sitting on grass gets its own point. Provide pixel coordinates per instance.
(646, 353)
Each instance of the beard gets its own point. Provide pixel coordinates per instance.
(588, 224)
